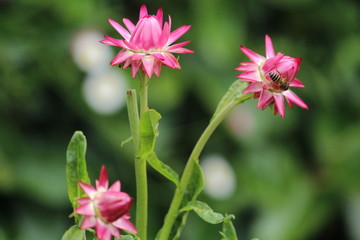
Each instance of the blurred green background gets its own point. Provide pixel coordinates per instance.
(289, 179)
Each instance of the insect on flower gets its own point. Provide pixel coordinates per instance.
(270, 78)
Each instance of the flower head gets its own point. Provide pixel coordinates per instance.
(271, 77)
(146, 45)
(105, 208)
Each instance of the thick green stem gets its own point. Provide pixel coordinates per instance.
(140, 166)
(188, 171)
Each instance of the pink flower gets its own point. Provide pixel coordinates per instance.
(106, 209)
(146, 45)
(271, 77)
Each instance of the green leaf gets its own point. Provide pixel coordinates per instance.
(74, 233)
(148, 132)
(234, 94)
(128, 237)
(204, 211)
(228, 230)
(76, 167)
(163, 169)
(195, 186)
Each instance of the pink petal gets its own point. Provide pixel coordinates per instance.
(143, 12)
(253, 56)
(178, 45)
(148, 63)
(103, 178)
(157, 67)
(253, 87)
(83, 200)
(120, 29)
(88, 222)
(114, 42)
(296, 83)
(253, 76)
(88, 189)
(175, 35)
(137, 56)
(115, 231)
(182, 50)
(271, 64)
(125, 224)
(86, 209)
(135, 66)
(269, 47)
(247, 67)
(116, 186)
(170, 61)
(129, 24)
(290, 95)
(159, 16)
(279, 103)
(164, 37)
(266, 98)
(121, 57)
(159, 56)
(102, 230)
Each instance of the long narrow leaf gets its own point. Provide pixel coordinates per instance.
(163, 169)
(76, 166)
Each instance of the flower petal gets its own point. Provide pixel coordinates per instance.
(271, 63)
(88, 222)
(290, 95)
(114, 42)
(143, 12)
(279, 103)
(164, 37)
(125, 224)
(116, 186)
(269, 47)
(266, 98)
(129, 24)
(159, 16)
(102, 231)
(177, 45)
(175, 35)
(120, 29)
(296, 83)
(148, 63)
(103, 179)
(252, 76)
(253, 56)
(253, 87)
(88, 189)
(86, 209)
(121, 57)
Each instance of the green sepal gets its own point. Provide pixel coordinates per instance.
(163, 169)
(205, 212)
(228, 230)
(149, 123)
(234, 95)
(74, 233)
(76, 168)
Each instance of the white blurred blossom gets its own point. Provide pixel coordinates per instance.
(219, 176)
(105, 92)
(88, 53)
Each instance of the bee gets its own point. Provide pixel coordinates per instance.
(281, 82)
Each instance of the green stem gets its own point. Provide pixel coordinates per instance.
(140, 170)
(140, 166)
(188, 171)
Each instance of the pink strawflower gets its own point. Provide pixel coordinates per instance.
(146, 45)
(106, 209)
(271, 77)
